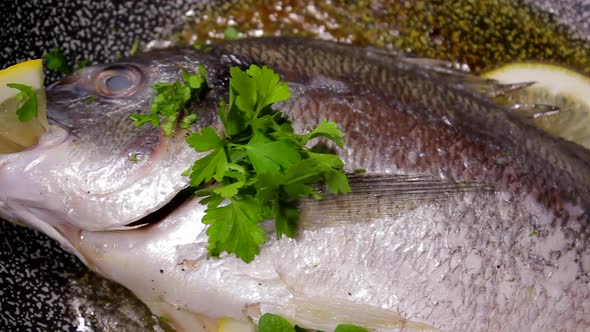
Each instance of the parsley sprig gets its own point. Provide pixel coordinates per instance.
(274, 323)
(261, 166)
(172, 101)
(56, 60)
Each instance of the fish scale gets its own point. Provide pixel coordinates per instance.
(422, 93)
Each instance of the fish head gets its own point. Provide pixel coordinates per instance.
(94, 169)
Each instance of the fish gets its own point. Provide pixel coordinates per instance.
(467, 216)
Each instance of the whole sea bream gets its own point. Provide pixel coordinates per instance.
(467, 218)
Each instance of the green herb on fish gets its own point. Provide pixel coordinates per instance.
(188, 121)
(133, 158)
(27, 97)
(90, 99)
(135, 46)
(261, 166)
(55, 60)
(172, 101)
(82, 64)
(119, 55)
(232, 33)
(274, 323)
(350, 328)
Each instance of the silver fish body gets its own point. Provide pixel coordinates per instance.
(468, 218)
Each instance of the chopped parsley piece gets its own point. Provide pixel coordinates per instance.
(261, 166)
(232, 33)
(56, 61)
(350, 328)
(133, 158)
(172, 102)
(135, 46)
(82, 64)
(188, 121)
(533, 233)
(90, 99)
(274, 323)
(165, 324)
(27, 98)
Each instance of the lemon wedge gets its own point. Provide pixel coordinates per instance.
(557, 86)
(14, 134)
(232, 325)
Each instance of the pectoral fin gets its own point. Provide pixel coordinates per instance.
(376, 196)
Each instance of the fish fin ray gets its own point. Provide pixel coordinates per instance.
(454, 73)
(535, 111)
(376, 196)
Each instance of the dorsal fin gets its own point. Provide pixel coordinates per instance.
(450, 72)
(535, 111)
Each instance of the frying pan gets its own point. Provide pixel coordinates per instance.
(42, 288)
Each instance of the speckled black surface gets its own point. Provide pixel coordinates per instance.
(83, 29)
(42, 288)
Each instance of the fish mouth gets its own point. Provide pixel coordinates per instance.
(53, 136)
(160, 214)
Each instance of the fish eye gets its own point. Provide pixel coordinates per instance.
(118, 81)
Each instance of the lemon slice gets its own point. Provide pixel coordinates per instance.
(232, 325)
(14, 134)
(554, 85)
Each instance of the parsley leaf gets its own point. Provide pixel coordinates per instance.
(242, 92)
(261, 167)
(135, 46)
(330, 165)
(205, 141)
(234, 228)
(55, 60)
(172, 101)
(90, 99)
(27, 96)
(213, 166)
(350, 328)
(326, 129)
(268, 88)
(274, 323)
(270, 156)
(82, 64)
